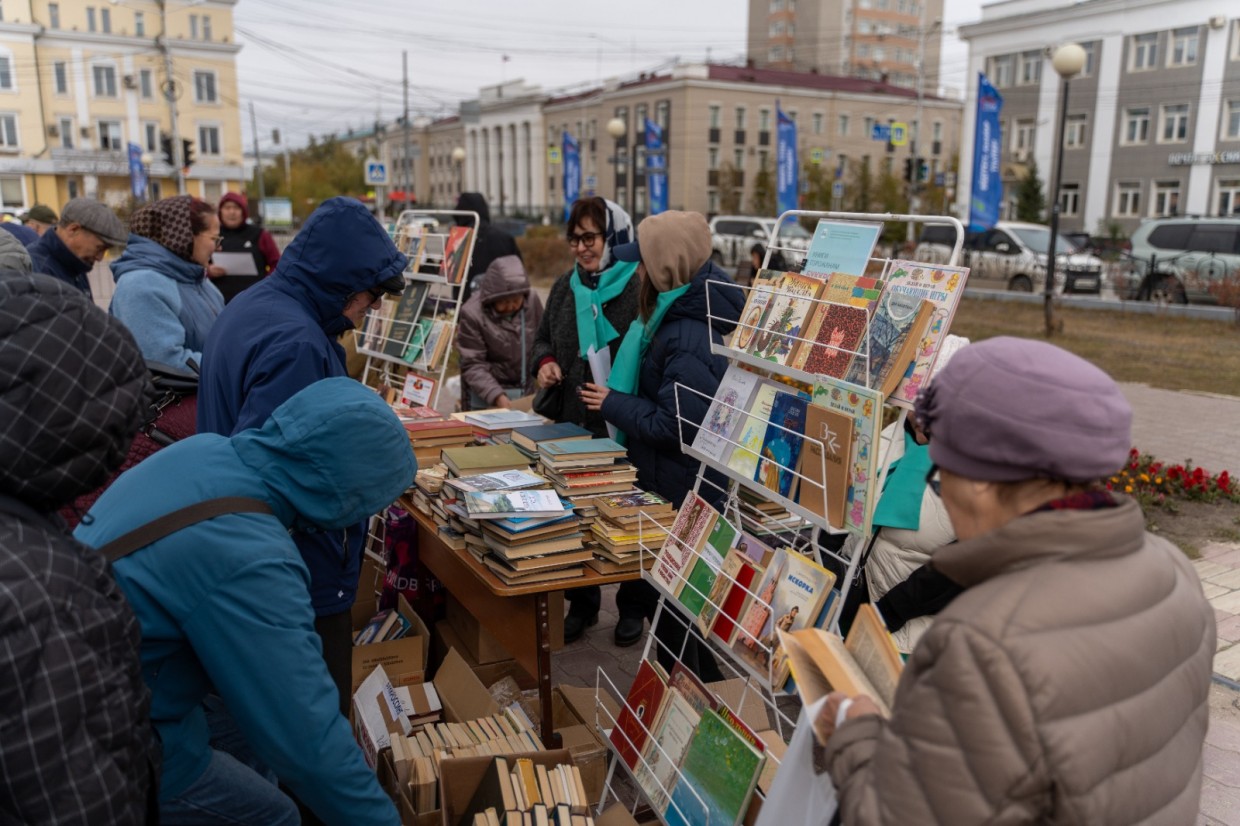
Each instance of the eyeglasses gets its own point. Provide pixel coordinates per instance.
(933, 482)
(217, 240)
(586, 239)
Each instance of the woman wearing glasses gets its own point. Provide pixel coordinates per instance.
(590, 307)
(162, 292)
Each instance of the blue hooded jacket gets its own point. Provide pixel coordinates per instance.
(165, 301)
(280, 336)
(223, 604)
(679, 353)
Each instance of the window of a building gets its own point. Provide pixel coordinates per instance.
(6, 71)
(105, 20)
(146, 83)
(843, 125)
(139, 24)
(715, 119)
(1127, 200)
(75, 189)
(1136, 125)
(193, 27)
(150, 136)
(206, 27)
(91, 25)
(712, 158)
(1069, 199)
(61, 72)
(110, 135)
(8, 131)
(1074, 131)
(1030, 68)
(1001, 70)
(53, 15)
(817, 121)
(66, 133)
(105, 81)
(1023, 135)
(1231, 120)
(1184, 47)
(1166, 200)
(775, 54)
(740, 117)
(208, 140)
(712, 200)
(764, 120)
(1144, 52)
(204, 87)
(1174, 123)
(1091, 54)
(1229, 197)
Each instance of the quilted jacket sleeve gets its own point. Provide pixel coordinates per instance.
(475, 360)
(960, 747)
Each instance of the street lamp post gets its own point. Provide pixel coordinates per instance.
(617, 128)
(458, 159)
(1068, 61)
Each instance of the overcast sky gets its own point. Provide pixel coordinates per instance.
(319, 66)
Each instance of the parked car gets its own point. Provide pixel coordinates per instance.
(1012, 255)
(733, 236)
(1182, 259)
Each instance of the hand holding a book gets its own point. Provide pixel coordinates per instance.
(592, 395)
(828, 719)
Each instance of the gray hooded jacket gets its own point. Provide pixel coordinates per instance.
(493, 349)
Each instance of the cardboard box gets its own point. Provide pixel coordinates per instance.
(404, 659)
(446, 640)
(459, 778)
(482, 647)
(400, 795)
(464, 698)
(377, 715)
(573, 710)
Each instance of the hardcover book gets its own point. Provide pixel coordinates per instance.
(732, 595)
(455, 257)
(529, 437)
(714, 438)
(404, 319)
(782, 444)
(864, 407)
(867, 661)
(744, 458)
(785, 317)
(760, 292)
(825, 463)
(836, 333)
(693, 524)
(895, 331)
(758, 552)
(464, 461)
(510, 504)
(722, 768)
(416, 341)
(638, 714)
(853, 290)
(634, 502)
(706, 566)
(672, 733)
(842, 246)
(942, 287)
(499, 480)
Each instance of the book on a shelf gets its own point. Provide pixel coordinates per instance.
(744, 456)
(757, 551)
(834, 337)
(706, 567)
(866, 662)
(686, 682)
(759, 298)
(641, 707)
(853, 290)
(727, 410)
(528, 437)
(455, 258)
(782, 444)
(404, 319)
(435, 345)
(375, 327)
(720, 769)
(865, 408)
(842, 246)
(689, 532)
(417, 390)
(514, 504)
(727, 595)
(785, 317)
(671, 733)
(895, 332)
(466, 461)
(825, 463)
(790, 596)
(942, 286)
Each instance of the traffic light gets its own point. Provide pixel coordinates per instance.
(923, 170)
(165, 146)
(187, 153)
(908, 169)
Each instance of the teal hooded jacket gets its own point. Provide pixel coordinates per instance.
(224, 605)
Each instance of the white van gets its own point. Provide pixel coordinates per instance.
(1012, 256)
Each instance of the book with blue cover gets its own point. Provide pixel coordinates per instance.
(781, 449)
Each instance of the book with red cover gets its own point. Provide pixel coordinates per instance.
(640, 710)
(837, 331)
(454, 258)
(735, 601)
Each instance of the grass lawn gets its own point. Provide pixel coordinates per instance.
(1171, 353)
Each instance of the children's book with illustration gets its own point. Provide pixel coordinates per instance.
(718, 430)
(825, 463)
(744, 457)
(782, 444)
(942, 287)
(834, 337)
(867, 661)
(689, 532)
(865, 408)
(637, 716)
(455, 255)
(761, 289)
(895, 331)
(719, 770)
(728, 595)
(842, 246)
(785, 317)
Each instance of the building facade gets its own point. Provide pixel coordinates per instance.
(875, 39)
(1153, 124)
(79, 81)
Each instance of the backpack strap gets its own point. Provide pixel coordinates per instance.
(170, 523)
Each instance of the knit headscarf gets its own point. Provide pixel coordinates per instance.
(167, 223)
(619, 230)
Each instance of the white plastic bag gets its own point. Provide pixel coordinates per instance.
(798, 797)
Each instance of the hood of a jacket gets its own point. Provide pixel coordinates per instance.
(144, 254)
(239, 200)
(307, 454)
(73, 391)
(505, 277)
(340, 251)
(726, 302)
(473, 202)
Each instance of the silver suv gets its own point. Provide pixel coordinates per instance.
(1012, 255)
(1182, 259)
(733, 236)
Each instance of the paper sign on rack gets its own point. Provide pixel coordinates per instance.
(417, 390)
(841, 246)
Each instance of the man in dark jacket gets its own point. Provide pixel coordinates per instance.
(279, 337)
(87, 230)
(491, 241)
(77, 745)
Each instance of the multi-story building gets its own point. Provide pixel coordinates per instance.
(1153, 125)
(876, 39)
(79, 81)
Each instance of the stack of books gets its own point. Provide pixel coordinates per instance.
(495, 426)
(383, 626)
(526, 439)
(625, 523)
(579, 466)
(520, 792)
(430, 437)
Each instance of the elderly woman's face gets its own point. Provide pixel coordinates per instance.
(586, 241)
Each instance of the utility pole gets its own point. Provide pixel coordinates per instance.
(915, 187)
(258, 162)
(170, 94)
(406, 161)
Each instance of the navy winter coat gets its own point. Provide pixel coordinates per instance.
(51, 257)
(279, 336)
(678, 354)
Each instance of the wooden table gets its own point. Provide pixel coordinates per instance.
(516, 615)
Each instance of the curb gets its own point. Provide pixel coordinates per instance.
(1199, 311)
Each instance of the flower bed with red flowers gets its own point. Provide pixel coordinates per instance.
(1155, 483)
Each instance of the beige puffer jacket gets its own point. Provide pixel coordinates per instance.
(1068, 684)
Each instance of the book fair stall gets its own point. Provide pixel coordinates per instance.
(511, 509)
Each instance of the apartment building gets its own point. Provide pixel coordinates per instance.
(1153, 124)
(79, 81)
(875, 39)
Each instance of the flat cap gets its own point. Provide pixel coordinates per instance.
(96, 217)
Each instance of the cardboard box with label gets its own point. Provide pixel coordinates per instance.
(459, 779)
(403, 659)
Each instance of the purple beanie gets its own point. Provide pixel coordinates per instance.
(1008, 409)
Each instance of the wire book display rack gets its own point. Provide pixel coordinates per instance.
(417, 331)
(783, 521)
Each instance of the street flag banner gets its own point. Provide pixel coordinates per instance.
(656, 167)
(785, 161)
(572, 173)
(987, 192)
(137, 173)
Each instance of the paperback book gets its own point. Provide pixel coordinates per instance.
(842, 246)
(825, 463)
(752, 316)
(833, 338)
(689, 532)
(641, 707)
(744, 457)
(671, 735)
(865, 408)
(404, 321)
(719, 771)
(785, 317)
(707, 565)
(895, 331)
(782, 444)
(942, 287)
(714, 438)
(514, 504)
(456, 255)
(867, 661)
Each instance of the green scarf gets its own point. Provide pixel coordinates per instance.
(593, 328)
(900, 504)
(625, 370)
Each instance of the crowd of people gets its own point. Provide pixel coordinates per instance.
(184, 655)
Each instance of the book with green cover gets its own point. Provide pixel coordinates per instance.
(575, 447)
(710, 560)
(464, 461)
(719, 771)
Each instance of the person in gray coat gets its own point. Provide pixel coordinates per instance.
(13, 254)
(496, 337)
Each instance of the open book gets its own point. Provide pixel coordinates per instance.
(867, 662)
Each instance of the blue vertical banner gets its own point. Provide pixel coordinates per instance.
(656, 167)
(786, 166)
(987, 192)
(137, 173)
(572, 172)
